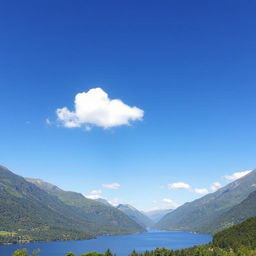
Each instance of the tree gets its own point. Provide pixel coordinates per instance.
(24, 252)
(108, 253)
(21, 252)
(70, 254)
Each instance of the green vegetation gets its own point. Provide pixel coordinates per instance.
(24, 252)
(29, 213)
(200, 215)
(235, 215)
(204, 250)
(100, 218)
(5, 233)
(241, 235)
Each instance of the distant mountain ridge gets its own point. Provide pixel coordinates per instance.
(41, 211)
(135, 215)
(199, 214)
(104, 201)
(157, 215)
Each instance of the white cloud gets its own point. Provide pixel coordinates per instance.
(201, 191)
(167, 200)
(237, 175)
(97, 194)
(94, 194)
(96, 108)
(179, 185)
(114, 202)
(111, 186)
(215, 186)
(171, 204)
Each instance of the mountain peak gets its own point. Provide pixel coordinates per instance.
(43, 184)
(135, 214)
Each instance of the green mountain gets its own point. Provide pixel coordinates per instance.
(157, 215)
(197, 215)
(243, 234)
(29, 213)
(135, 215)
(101, 218)
(235, 215)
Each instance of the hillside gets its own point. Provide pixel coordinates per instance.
(157, 215)
(28, 213)
(235, 215)
(101, 218)
(197, 215)
(243, 234)
(135, 215)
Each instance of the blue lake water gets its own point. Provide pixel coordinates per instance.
(122, 245)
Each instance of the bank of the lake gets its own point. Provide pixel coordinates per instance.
(122, 245)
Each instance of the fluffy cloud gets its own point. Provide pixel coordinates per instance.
(215, 186)
(201, 191)
(94, 194)
(96, 108)
(179, 185)
(171, 204)
(237, 175)
(111, 186)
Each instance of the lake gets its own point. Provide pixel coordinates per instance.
(122, 245)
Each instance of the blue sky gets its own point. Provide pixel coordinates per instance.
(189, 66)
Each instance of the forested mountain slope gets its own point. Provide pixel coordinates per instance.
(197, 215)
(102, 218)
(243, 234)
(28, 213)
(235, 215)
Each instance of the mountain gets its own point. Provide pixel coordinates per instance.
(243, 234)
(235, 215)
(197, 215)
(103, 218)
(104, 201)
(29, 213)
(156, 215)
(135, 215)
